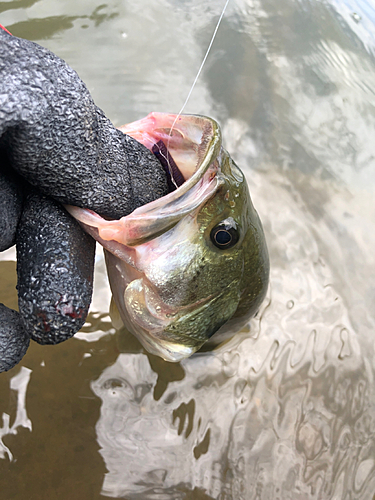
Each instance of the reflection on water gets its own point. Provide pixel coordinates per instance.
(286, 409)
(19, 384)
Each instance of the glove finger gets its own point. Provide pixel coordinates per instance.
(55, 265)
(60, 142)
(14, 340)
(11, 197)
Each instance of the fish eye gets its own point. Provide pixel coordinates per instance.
(225, 235)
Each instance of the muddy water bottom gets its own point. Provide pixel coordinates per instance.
(286, 409)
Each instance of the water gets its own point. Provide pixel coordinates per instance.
(286, 409)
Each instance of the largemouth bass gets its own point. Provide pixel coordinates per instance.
(194, 261)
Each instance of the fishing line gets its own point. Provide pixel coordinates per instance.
(195, 81)
(203, 63)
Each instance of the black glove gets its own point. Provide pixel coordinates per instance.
(57, 146)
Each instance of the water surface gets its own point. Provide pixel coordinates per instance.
(286, 409)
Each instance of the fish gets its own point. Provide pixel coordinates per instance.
(193, 264)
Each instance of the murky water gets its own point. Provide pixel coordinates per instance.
(286, 409)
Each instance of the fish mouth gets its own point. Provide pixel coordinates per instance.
(194, 143)
(149, 320)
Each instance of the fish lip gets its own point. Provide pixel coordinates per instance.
(148, 220)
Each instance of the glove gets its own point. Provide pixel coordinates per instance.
(57, 147)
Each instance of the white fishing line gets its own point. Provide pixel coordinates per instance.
(195, 82)
(203, 62)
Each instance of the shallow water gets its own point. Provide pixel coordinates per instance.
(286, 409)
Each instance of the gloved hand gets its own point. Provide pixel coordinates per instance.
(57, 146)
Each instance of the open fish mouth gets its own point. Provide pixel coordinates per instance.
(194, 144)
